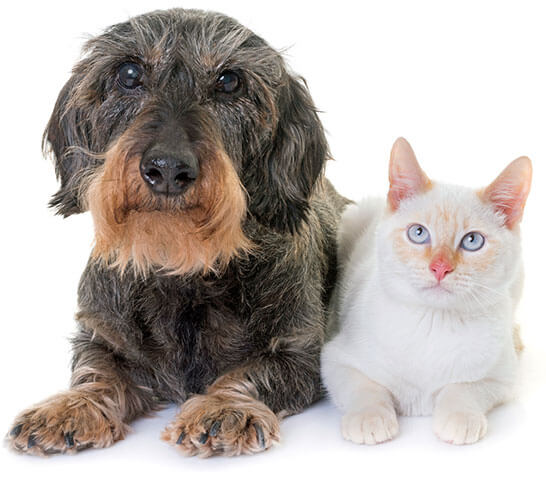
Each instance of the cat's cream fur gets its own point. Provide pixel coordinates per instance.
(409, 342)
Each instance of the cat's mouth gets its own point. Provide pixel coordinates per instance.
(438, 288)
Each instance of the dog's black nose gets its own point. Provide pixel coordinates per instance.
(167, 174)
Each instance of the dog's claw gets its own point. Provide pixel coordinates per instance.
(215, 428)
(31, 441)
(260, 435)
(203, 438)
(16, 431)
(181, 438)
(69, 439)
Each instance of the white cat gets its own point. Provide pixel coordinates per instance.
(425, 304)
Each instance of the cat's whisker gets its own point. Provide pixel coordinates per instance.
(475, 298)
(488, 288)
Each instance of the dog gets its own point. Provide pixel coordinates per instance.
(201, 160)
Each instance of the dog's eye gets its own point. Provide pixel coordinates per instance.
(228, 82)
(130, 75)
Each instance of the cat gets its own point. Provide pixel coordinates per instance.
(424, 307)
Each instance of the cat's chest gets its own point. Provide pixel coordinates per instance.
(424, 350)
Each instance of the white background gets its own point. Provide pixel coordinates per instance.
(464, 82)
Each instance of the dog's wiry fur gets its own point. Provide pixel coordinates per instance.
(204, 235)
(215, 298)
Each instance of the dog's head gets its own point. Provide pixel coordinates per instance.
(174, 128)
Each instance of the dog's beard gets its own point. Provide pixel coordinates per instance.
(200, 232)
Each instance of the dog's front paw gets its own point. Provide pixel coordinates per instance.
(216, 424)
(460, 428)
(64, 423)
(376, 424)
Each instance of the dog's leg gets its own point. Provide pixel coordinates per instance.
(239, 414)
(94, 412)
(229, 419)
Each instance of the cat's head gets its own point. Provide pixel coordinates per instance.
(448, 246)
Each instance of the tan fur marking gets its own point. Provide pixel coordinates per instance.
(231, 406)
(132, 226)
(446, 253)
(83, 413)
(518, 342)
(401, 247)
(483, 262)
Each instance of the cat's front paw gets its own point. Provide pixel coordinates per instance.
(460, 428)
(373, 425)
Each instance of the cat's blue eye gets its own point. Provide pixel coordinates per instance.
(418, 234)
(472, 241)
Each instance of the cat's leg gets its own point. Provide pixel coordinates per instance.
(368, 407)
(459, 415)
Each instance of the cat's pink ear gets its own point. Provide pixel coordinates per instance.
(508, 193)
(405, 175)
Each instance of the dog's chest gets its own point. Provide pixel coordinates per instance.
(192, 331)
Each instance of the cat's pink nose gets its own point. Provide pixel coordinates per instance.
(440, 267)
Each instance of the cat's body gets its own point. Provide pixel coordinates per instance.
(414, 349)
(415, 338)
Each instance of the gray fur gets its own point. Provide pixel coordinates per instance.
(163, 338)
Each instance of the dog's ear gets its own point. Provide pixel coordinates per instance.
(67, 136)
(281, 180)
